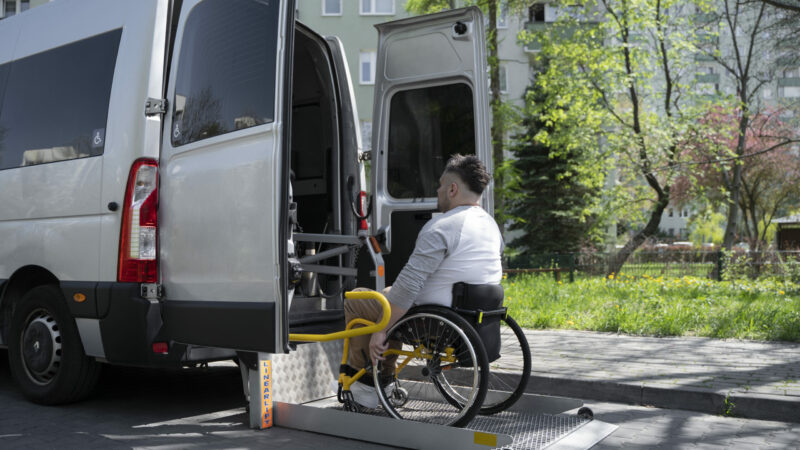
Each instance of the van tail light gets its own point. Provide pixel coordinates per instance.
(138, 244)
(362, 209)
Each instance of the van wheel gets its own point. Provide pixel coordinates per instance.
(45, 351)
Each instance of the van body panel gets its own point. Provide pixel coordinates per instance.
(217, 225)
(416, 54)
(351, 136)
(220, 222)
(56, 211)
(47, 225)
(131, 135)
(352, 169)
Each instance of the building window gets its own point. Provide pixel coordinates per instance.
(671, 231)
(502, 15)
(10, 8)
(377, 7)
(331, 7)
(671, 212)
(366, 67)
(24, 5)
(789, 91)
(536, 13)
(503, 79)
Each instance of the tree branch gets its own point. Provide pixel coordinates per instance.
(782, 5)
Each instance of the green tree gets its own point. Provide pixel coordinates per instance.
(622, 68)
(707, 227)
(551, 204)
(429, 6)
(747, 39)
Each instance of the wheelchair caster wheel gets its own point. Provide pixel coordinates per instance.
(350, 402)
(585, 413)
(399, 397)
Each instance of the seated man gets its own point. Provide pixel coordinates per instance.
(461, 245)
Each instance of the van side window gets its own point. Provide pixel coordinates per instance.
(427, 126)
(226, 69)
(55, 104)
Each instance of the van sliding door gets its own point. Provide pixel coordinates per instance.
(224, 181)
(431, 101)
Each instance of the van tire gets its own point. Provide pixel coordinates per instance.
(45, 352)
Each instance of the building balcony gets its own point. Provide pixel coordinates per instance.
(789, 82)
(534, 45)
(712, 78)
(566, 32)
(703, 57)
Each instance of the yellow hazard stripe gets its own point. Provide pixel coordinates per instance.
(487, 439)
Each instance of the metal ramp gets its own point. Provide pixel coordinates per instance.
(303, 400)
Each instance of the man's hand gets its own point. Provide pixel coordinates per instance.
(377, 345)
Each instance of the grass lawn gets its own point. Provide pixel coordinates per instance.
(764, 310)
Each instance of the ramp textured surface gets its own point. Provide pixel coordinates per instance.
(529, 431)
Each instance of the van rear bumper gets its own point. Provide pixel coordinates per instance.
(129, 325)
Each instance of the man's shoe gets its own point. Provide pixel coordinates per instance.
(364, 395)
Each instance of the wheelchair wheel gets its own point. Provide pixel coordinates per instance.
(508, 375)
(442, 370)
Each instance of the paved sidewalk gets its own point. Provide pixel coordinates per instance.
(759, 380)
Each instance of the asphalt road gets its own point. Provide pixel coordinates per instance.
(136, 408)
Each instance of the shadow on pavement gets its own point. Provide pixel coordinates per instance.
(145, 408)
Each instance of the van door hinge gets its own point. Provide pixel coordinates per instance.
(365, 155)
(152, 291)
(155, 106)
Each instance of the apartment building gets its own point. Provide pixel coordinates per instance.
(11, 7)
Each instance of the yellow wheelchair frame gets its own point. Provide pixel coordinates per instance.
(369, 327)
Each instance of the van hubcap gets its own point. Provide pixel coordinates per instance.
(41, 347)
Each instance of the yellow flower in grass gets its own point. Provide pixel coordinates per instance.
(611, 276)
(781, 292)
(569, 322)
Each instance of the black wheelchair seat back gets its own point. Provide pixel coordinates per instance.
(482, 306)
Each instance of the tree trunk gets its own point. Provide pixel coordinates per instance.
(736, 183)
(638, 239)
(498, 124)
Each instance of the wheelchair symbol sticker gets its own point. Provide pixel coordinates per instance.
(176, 132)
(98, 138)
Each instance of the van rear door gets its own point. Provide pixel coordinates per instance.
(224, 176)
(431, 101)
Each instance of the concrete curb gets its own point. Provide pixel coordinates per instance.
(736, 404)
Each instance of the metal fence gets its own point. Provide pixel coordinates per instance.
(668, 263)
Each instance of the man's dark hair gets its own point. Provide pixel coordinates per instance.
(471, 171)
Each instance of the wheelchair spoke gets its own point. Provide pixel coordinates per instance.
(439, 379)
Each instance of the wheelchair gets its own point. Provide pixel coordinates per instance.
(449, 363)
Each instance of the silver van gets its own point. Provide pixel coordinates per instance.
(173, 172)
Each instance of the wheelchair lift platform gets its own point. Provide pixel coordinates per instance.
(304, 400)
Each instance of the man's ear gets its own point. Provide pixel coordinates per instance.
(453, 191)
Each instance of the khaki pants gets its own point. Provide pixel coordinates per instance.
(371, 310)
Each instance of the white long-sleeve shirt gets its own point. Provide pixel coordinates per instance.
(463, 244)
